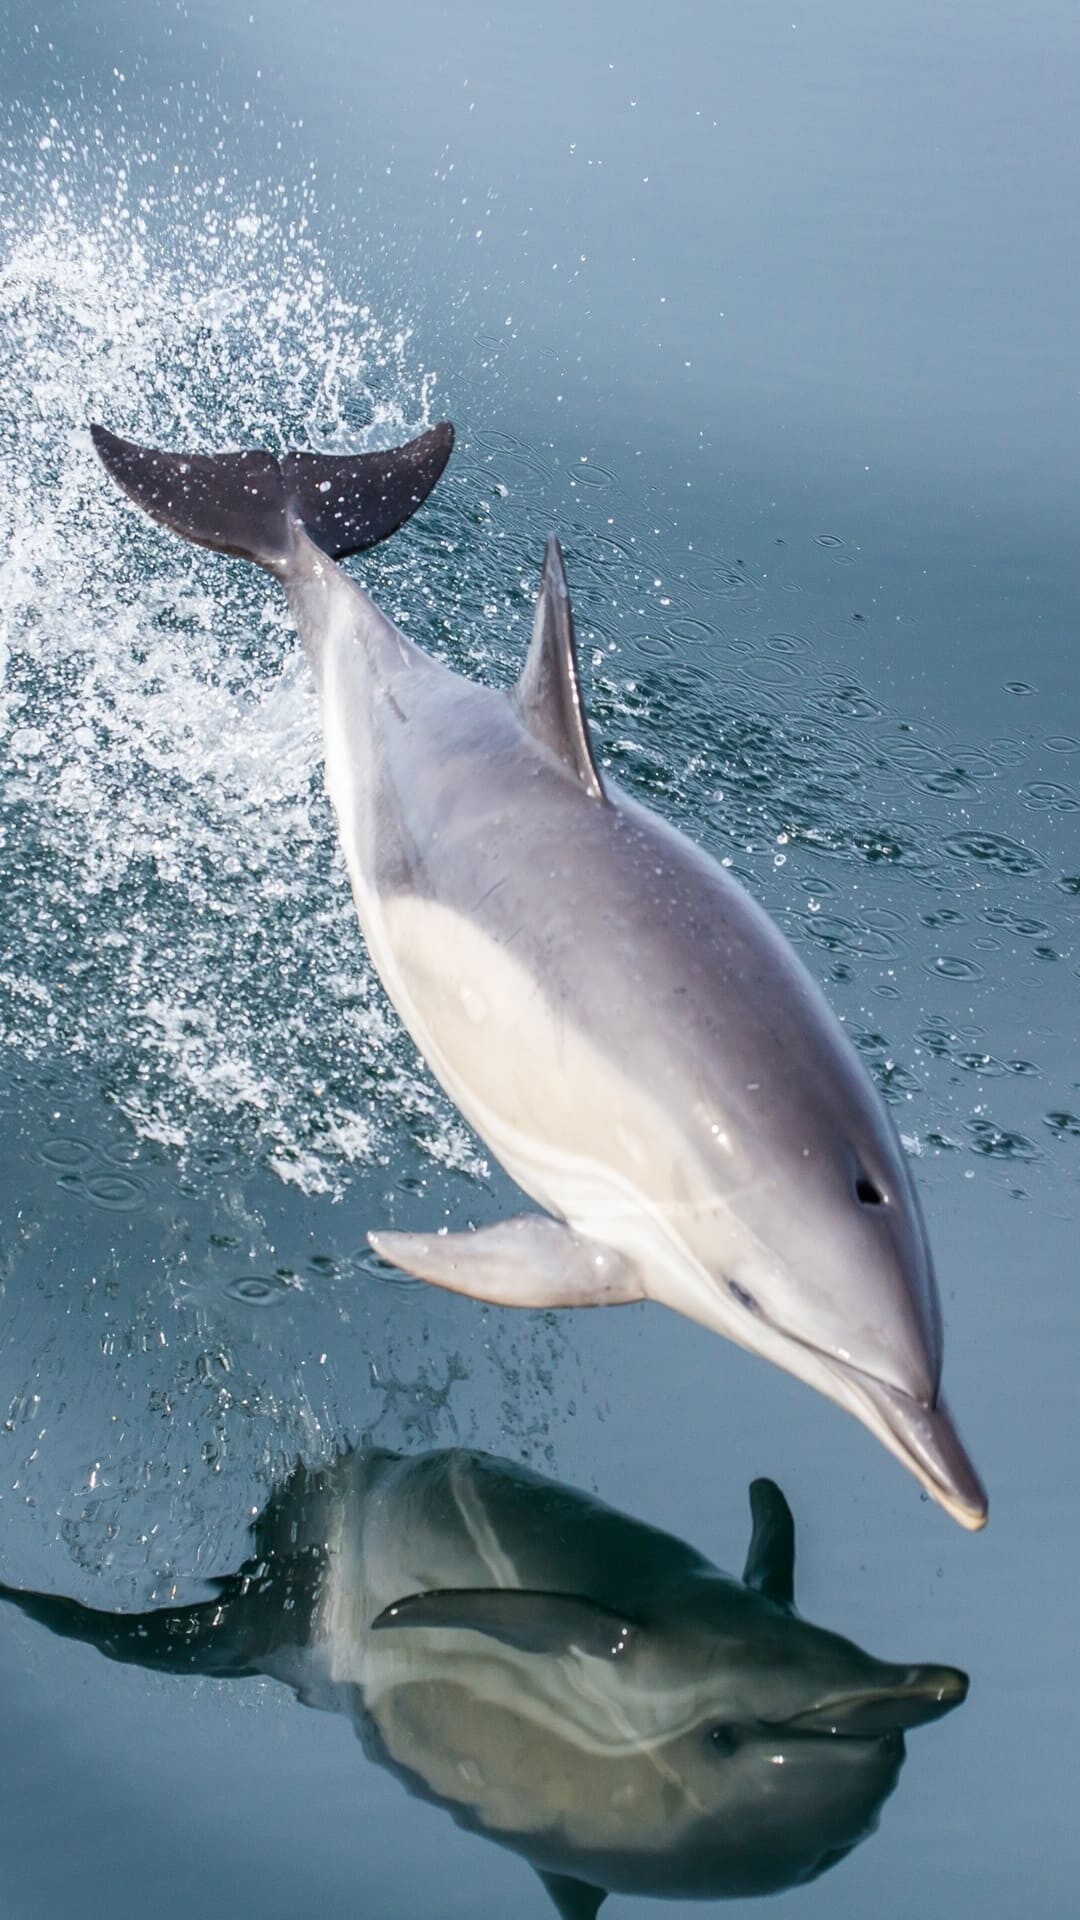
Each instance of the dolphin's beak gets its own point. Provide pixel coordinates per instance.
(896, 1699)
(924, 1438)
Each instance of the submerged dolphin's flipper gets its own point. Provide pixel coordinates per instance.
(530, 1261)
(552, 1623)
(574, 1899)
(247, 503)
(770, 1559)
(547, 697)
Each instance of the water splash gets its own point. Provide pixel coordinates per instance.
(175, 910)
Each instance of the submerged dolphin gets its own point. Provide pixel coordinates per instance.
(629, 1033)
(577, 1686)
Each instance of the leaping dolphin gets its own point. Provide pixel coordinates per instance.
(626, 1029)
(579, 1687)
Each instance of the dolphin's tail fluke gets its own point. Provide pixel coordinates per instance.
(249, 503)
(197, 1639)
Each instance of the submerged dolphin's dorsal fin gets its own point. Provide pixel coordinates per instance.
(548, 694)
(770, 1559)
(555, 1623)
(574, 1899)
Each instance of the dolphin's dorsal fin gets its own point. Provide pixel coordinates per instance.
(532, 1622)
(574, 1899)
(548, 694)
(770, 1561)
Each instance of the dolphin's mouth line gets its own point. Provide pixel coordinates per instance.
(919, 1432)
(875, 1713)
(859, 1374)
(828, 1718)
(822, 1734)
(925, 1439)
(847, 1368)
(820, 1727)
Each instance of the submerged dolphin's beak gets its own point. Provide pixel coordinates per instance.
(924, 1438)
(895, 1700)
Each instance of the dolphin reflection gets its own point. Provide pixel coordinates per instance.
(576, 1685)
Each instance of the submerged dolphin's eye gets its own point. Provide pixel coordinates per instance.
(867, 1192)
(722, 1740)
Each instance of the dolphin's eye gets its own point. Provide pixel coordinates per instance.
(740, 1294)
(866, 1191)
(722, 1740)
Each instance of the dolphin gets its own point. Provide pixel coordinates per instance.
(579, 1687)
(614, 1015)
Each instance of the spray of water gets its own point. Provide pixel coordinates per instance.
(174, 909)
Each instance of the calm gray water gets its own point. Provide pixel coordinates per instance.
(772, 314)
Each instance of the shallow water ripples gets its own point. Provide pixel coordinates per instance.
(170, 1333)
(876, 840)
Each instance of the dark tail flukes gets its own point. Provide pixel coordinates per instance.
(195, 1639)
(243, 503)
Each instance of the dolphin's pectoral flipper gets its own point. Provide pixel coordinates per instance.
(244, 503)
(550, 1623)
(547, 697)
(530, 1261)
(574, 1899)
(770, 1559)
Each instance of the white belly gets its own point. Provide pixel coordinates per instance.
(568, 1121)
